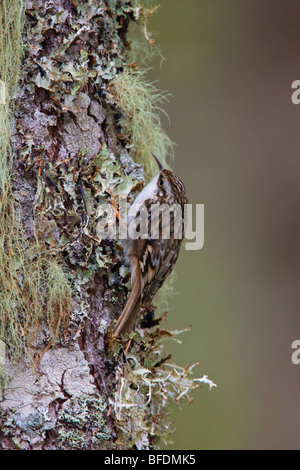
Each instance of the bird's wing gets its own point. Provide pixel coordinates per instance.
(157, 255)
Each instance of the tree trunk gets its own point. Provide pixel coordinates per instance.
(65, 384)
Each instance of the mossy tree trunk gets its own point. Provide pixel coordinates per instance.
(66, 150)
(73, 112)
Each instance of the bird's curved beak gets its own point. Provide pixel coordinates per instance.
(158, 162)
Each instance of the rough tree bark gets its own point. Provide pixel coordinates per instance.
(64, 384)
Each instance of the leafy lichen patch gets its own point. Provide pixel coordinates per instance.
(82, 424)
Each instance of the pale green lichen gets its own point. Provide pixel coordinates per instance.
(148, 388)
(38, 290)
(140, 104)
(33, 285)
(81, 423)
(11, 23)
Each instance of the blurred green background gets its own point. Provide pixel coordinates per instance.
(229, 67)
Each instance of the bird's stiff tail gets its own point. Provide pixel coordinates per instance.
(131, 311)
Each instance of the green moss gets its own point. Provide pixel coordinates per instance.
(11, 23)
(57, 296)
(33, 288)
(32, 284)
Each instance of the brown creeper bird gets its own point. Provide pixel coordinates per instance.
(155, 229)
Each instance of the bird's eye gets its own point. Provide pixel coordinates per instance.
(161, 182)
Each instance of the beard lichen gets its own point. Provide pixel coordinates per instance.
(35, 293)
(148, 387)
(140, 105)
(33, 285)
